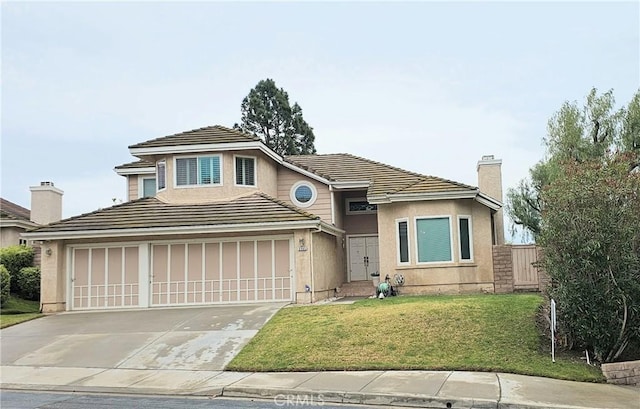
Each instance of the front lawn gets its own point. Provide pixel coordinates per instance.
(18, 310)
(472, 333)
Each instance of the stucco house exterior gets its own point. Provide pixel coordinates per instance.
(215, 216)
(46, 207)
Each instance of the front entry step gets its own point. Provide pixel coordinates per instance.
(357, 289)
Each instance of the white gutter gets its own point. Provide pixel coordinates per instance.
(329, 228)
(412, 197)
(134, 171)
(23, 224)
(354, 184)
(488, 201)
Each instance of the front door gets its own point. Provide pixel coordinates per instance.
(363, 257)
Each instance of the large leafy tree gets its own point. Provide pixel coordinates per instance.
(266, 113)
(575, 134)
(590, 237)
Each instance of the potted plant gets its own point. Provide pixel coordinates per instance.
(376, 278)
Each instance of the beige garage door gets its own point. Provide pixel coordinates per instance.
(221, 272)
(104, 277)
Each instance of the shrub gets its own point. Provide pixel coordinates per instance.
(29, 283)
(5, 285)
(591, 250)
(15, 258)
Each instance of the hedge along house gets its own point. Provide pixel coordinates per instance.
(215, 216)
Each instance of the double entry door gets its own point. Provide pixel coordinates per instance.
(363, 257)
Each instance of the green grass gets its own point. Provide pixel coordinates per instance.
(18, 310)
(472, 333)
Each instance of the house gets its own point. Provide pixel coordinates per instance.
(46, 205)
(215, 216)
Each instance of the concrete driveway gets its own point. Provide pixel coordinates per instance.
(202, 338)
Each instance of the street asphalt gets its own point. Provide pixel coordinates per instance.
(183, 351)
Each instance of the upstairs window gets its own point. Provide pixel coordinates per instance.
(245, 171)
(148, 187)
(360, 206)
(203, 170)
(161, 175)
(303, 194)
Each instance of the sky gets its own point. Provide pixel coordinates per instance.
(430, 87)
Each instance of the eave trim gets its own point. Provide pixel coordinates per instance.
(202, 229)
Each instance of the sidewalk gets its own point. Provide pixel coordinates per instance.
(426, 389)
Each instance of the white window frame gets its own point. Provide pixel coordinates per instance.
(398, 258)
(415, 236)
(357, 199)
(295, 201)
(255, 170)
(197, 158)
(141, 179)
(464, 216)
(162, 163)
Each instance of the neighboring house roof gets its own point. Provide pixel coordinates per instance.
(202, 136)
(255, 212)
(13, 211)
(13, 215)
(384, 179)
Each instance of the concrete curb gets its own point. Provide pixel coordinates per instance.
(303, 397)
(300, 396)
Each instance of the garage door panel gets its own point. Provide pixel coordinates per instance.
(282, 270)
(104, 277)
(80, 278)
(221, 272)
(131, 277)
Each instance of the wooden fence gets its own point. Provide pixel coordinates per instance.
(515, 268)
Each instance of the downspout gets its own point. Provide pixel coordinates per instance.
(313, 278)
(333, 207)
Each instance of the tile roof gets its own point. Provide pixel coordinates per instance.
(148, 213)
(136, 165)
(202, 136)
(339, 167)
(343, 167)
(10, 210)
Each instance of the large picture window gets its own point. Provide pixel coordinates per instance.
(433, 239)
(203, 170)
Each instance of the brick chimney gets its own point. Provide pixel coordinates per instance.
(46, 203)
(490, 183)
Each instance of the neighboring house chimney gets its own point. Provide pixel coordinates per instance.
(490, 183)
(46, 203)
